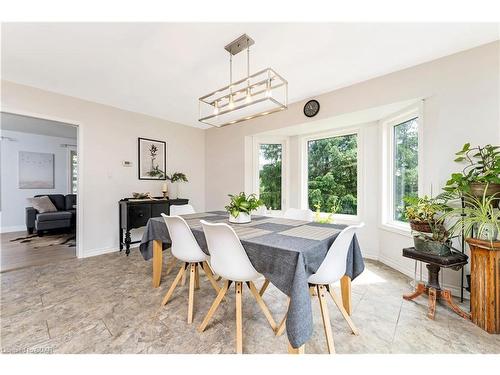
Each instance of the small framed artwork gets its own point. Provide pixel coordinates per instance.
(152, 161)
(36, 170)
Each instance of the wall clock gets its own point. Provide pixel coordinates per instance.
(311, 108)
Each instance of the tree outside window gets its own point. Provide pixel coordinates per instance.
(270, 160)
(332, 174)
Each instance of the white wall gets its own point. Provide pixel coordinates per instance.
(462, 98)
(107, 136)
(13, 199)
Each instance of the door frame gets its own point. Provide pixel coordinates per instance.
(79, 149)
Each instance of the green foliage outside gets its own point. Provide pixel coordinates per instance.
(270, 175)
(405, 170)
(332, 170)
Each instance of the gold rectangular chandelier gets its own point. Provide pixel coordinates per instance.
(255, 95)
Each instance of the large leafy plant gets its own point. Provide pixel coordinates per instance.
(243, 203)
(479, 216)
(482, 165)
(423, 209)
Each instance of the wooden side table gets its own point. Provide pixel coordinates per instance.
(454, 261)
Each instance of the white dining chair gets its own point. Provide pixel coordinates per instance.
(186, 249)
(183, 209)
(331, 270)
(229, 260)
(299, 214)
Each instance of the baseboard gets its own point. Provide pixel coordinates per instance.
(15, 228)
(96, 252)
(409, 271)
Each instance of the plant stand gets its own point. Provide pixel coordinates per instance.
(485, 284)
(433, 289)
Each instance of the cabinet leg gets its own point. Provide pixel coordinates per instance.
(121, 239)
(128, 240)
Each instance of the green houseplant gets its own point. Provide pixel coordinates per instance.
(481, 172)
(175, 178)
(422, 212)
(241, 206)
(438, 241)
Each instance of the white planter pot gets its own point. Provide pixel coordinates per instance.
(240, 219)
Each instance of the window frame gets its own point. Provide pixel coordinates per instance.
(387, 220)
(283, 141)
(304, 164)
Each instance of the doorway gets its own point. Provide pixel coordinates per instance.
(38, 191)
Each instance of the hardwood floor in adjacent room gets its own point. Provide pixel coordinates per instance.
(106, 304)
(35, 251)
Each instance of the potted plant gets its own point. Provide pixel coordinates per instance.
(241, 206)
(175, 178)
(481, 173)
(480, 221)
(437, 242)
(422, 212)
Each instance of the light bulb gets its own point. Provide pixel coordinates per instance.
(269, 94)
(231, 102)
(216, 108)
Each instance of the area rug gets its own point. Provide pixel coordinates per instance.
(68, 239)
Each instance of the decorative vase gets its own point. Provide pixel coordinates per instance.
(489, 232)
(242, 218)
(175, 190)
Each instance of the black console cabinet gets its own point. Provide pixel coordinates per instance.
(136, 213)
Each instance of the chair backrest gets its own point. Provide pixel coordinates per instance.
(298, 214)
(184, 245)
(227, 256)
(334, 265)
(183, 209)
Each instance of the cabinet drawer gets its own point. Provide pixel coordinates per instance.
(138, 215)
(158, 208)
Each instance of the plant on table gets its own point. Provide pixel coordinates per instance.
(175, 178)
(423, 212)
(319, 217)
(241, 206)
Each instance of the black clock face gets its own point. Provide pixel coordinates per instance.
(311, 108)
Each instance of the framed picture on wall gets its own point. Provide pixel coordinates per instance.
(152, 159)
(36, 170)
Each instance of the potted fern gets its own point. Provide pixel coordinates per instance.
(241, 206)
(175, 179)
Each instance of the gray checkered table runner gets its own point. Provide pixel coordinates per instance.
(285, 251)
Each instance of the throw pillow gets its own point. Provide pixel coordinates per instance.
(43, 204)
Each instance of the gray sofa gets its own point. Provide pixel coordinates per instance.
(63, 218)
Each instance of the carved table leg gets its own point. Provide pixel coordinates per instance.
(300, 350)
(446, 295)
(128, 240)
(432, 303)
(421, 289)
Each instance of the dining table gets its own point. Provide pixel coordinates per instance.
(286, 251)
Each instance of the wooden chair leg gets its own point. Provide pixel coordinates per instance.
(344, 313)
(210, 276)
(239, 318)
(183, 282)
(174, 284)
(264, 287)
(214, 306)
(326, 318)
(282, 326)
(262, 305)
(192, 282)
(196, 277)
(312, 291)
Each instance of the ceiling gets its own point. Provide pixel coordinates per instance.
(33, 125)
(161, 69)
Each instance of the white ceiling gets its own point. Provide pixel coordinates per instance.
(33, 125)
(161, 69)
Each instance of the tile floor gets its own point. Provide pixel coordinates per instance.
(106, 304)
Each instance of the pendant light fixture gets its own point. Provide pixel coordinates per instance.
(255, 95)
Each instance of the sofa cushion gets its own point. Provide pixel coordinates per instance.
(49, 216)
(42, 204)
(70, 201)
(57, 200)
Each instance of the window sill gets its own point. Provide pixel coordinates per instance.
(397, 228)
